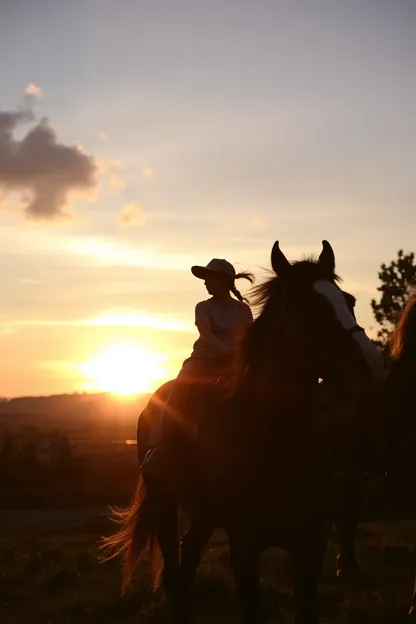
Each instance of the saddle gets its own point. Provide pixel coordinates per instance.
(190, 406)
(195, 402)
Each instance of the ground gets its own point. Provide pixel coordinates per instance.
(53, 578)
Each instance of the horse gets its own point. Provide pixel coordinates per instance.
(197, 536)
(398, 465)
(256, 469)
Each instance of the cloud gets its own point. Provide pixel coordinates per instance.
(132, 214)
(102, 136)
(110, 170)
(257, 223)
(34, 90)
(147, 172)
(28, 281)
(122, 318)
(45, 173)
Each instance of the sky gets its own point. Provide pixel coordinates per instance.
(140, 138)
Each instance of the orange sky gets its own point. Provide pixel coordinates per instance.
(178, 132)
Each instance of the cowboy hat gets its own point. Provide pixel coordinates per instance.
(216, 265)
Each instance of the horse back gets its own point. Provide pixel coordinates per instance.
(148, 419)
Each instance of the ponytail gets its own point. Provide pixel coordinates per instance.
(237, 293)
(244, 275)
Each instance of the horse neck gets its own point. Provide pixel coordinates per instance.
(278, 381)
(275, 387)
(273, 426)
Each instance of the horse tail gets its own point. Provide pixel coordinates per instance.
(137, 535)
(136, 538)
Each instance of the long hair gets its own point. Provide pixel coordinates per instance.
(403, 339)
(242, 275)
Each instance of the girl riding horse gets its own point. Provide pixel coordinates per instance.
(259, 474)
(222, 320)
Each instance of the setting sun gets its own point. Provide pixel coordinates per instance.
(124, 369)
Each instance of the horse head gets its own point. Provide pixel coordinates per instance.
(314, 320)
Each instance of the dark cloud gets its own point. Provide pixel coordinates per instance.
(44, 171)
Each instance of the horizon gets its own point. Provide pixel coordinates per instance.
(118, 397)
(140, 140)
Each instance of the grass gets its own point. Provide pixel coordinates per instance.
(54, 579)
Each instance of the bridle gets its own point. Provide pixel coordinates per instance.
(353, 330)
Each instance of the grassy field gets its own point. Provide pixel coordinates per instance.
(54, 579)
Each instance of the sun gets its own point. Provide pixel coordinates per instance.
(123, 369)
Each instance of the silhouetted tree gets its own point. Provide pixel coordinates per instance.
(9, 455)
(395, 281)
(29, 432)
(61, 457)
(29, 467)
(28, 455)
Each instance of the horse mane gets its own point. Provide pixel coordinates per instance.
(403, 338)
(306, 270)
(267, 297)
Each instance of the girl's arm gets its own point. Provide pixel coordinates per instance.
(203, 323)
(246, 321)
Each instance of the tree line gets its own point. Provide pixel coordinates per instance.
(396, 280)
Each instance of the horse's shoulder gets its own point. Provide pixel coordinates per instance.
(161, 395)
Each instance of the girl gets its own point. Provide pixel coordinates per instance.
(221, 321)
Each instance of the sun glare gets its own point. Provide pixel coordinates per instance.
(123, 369)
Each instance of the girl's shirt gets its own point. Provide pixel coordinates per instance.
(228, 322)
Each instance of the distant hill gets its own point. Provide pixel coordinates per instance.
(102, 415)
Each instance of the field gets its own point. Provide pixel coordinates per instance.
(53, 578)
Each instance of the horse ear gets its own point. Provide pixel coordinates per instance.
(327, 258)
(280, 263)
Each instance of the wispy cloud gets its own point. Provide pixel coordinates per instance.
(106, 252)
(109, 253)
(139, 319)
(147, 172)
(111, 170)
(28, 281)
(133, 215)
(34, 90)
(124, 318)
(258, 223)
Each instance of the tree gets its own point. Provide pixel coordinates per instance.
(396, 278)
